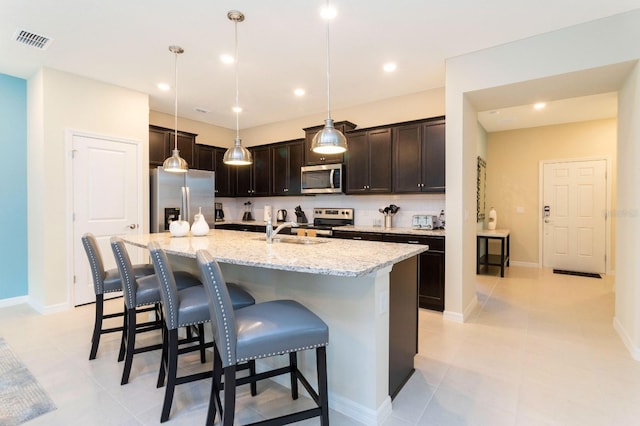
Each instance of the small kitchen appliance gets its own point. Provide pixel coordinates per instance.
(219, 212)
(322, 179)
(422, 221)
(248, 213)
(281, 216)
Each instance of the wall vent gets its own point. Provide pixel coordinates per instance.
(32, 39)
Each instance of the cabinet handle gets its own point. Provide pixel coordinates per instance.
(357, 238)
(413, 242)
(286, 190)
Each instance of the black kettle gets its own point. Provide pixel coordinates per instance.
(281, 215)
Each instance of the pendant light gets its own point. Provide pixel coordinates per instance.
(329, 140)
(175, 163)
(237, 155)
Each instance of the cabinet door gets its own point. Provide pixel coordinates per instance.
(186, 146)
(431, 280)
(158, 147)
(296, 159)
(357, 164)
(244, 187)
(261, 170)
(379, 160)
(223, 179)
(205, 158)
(279, 169)
(407, 158)
(434, 158)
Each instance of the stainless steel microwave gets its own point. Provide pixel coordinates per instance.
(323, 179)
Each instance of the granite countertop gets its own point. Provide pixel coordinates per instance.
(324, 256)
(381, 230)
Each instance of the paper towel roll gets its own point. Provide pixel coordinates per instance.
(268, 213)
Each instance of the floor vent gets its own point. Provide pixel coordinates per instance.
(32, 39)
(578, 274)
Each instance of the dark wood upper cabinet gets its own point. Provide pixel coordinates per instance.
(255, 179)
(368, 161)
(286, 160)
(419, 157)
(162, 142)
(310, 157)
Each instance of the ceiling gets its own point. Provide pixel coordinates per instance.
(282, 45)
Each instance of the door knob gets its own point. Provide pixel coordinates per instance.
(133, 226)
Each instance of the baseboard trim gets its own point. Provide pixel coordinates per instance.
(626, 340)
(12, 301)
(360, 413)
(48, 309)
(525, 264)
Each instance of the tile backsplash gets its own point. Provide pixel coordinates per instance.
(365, 206)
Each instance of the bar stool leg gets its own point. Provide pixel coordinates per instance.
(228, 413)
(252, 371)
(123, 343)
(130, 345)
(172, 368)
(293, 368)
(323, 393)
(97, 326)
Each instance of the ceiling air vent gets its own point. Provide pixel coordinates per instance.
(32, 39)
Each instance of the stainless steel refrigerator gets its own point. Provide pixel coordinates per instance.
(174, 194)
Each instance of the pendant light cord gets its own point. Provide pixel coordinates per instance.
(175, 115)
(328, 67)
(237, 107)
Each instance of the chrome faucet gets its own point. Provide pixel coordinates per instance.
(273, 232)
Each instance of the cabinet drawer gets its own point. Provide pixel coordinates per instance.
(434, 243)
(364, 236)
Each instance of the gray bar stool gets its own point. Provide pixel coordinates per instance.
(185, 308)
(108, 281)
(260, 331)
(140, 292)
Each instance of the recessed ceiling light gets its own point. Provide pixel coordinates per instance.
(237, 109)
(299, 92)
(164, 87)
(389, 67)
(539, 105)
(328, 13)
(227, 59)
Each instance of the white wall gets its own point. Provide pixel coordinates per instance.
(59, 101)
(595, 44)
(627, 320)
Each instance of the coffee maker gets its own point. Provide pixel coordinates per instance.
(219, 214)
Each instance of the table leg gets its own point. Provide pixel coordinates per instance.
(502, 260)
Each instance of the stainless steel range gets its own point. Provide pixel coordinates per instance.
(326, 218)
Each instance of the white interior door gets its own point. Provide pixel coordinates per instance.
(106, 188)
(574, 219)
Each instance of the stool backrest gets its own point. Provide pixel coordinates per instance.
(95, 261)
(127, 275)
(168, 288)
(223, 320)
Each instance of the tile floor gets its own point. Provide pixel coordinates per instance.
(540, 350)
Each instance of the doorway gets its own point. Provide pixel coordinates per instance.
(106, 193)
(574, 220)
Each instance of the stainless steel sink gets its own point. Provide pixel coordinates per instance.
(303, 241)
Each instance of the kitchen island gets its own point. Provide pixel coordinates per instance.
(348, 284)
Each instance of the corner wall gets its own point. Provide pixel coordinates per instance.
(576, 49)
(13, 187)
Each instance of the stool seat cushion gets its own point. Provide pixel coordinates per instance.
(277, 327)
(112, 280)
(240, 298)
(148, 291)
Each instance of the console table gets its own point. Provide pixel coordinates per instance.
(487, 259)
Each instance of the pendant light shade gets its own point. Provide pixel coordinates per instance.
(329, 140)
(175, 163)
(237, 155)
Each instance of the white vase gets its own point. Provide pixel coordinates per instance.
(200, 226)
(493, 219)
(179, 228)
